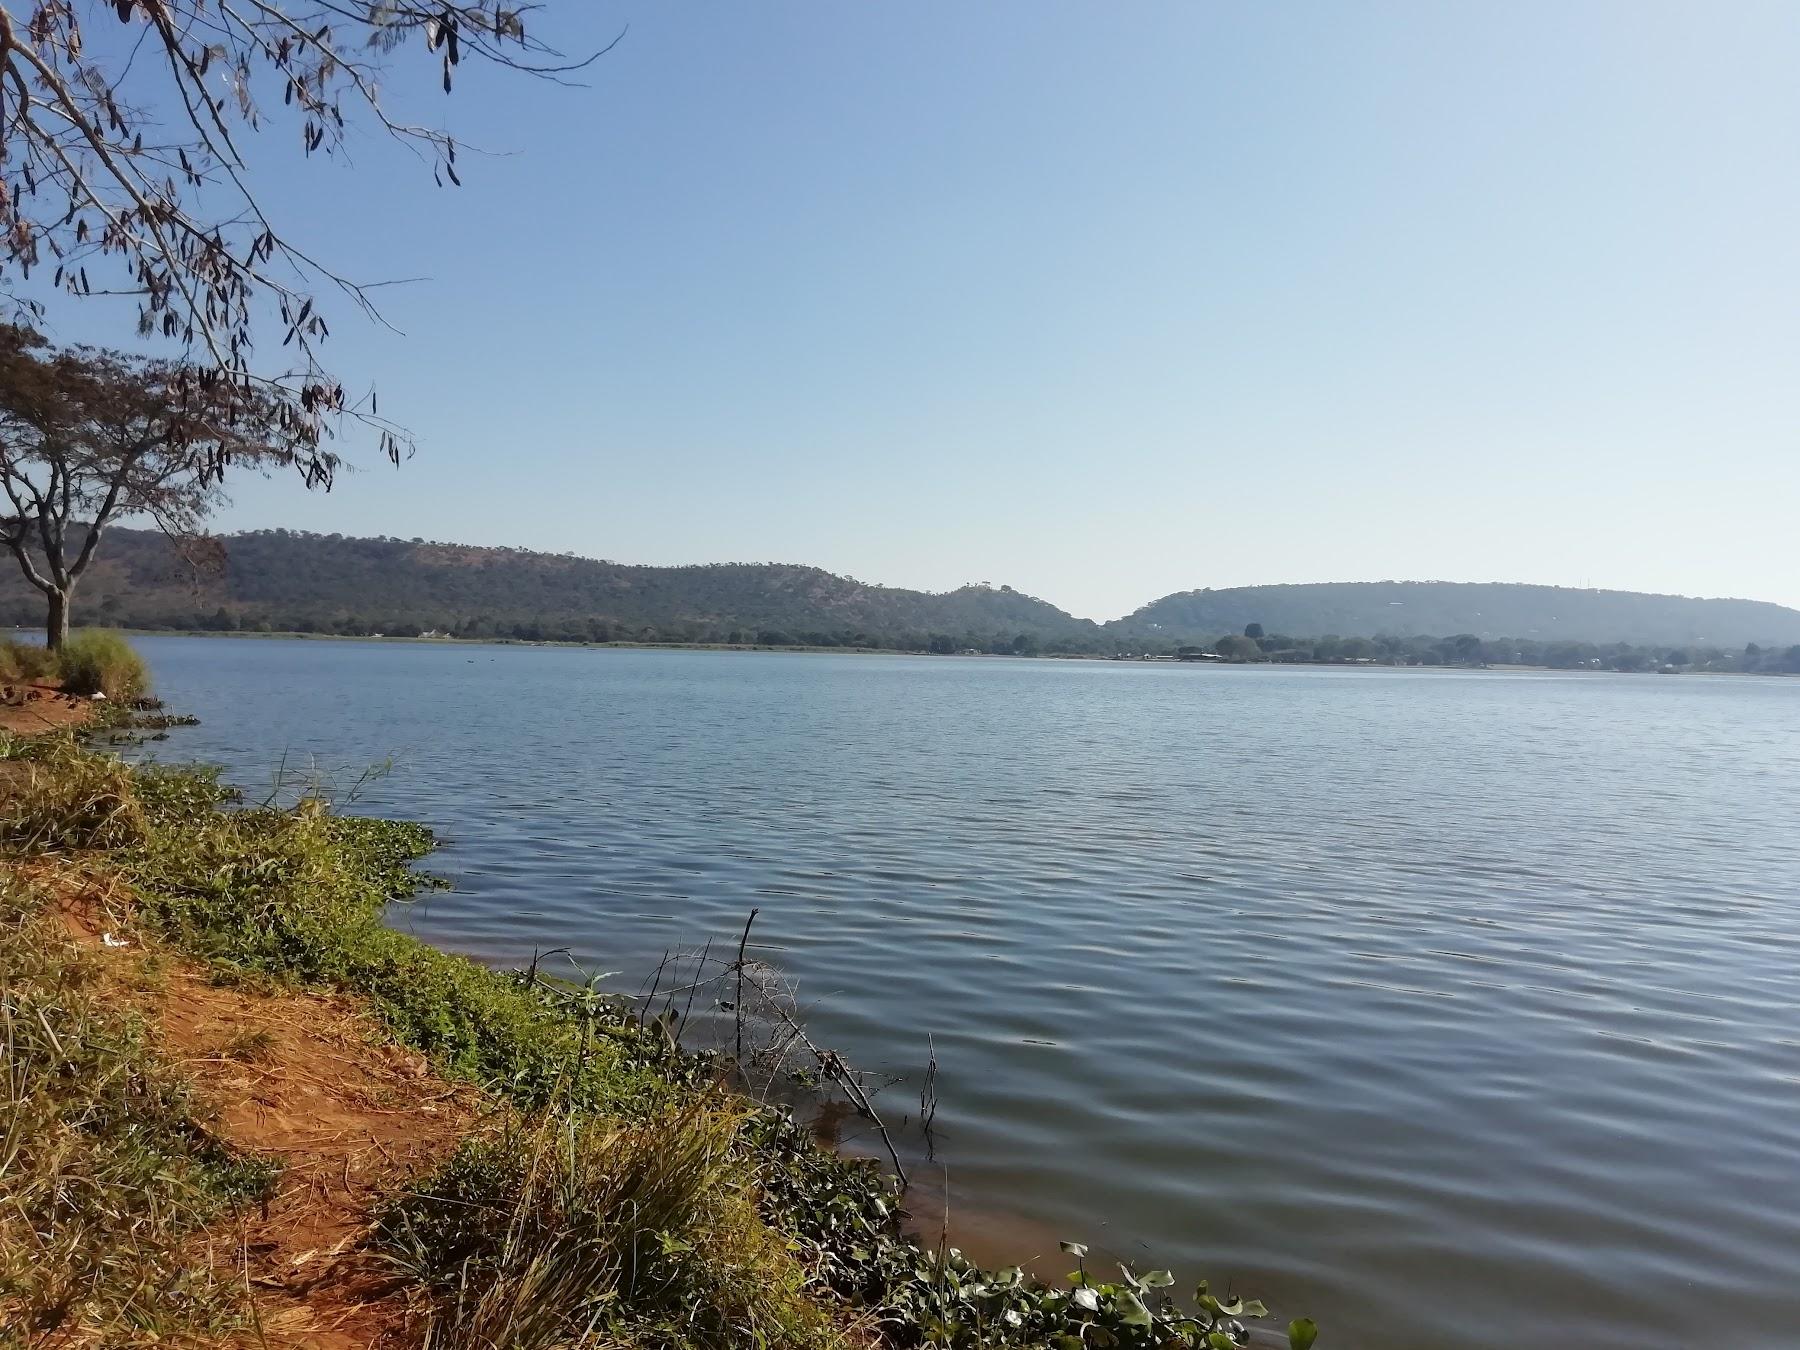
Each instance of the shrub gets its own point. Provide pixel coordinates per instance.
(60, 797)
(95, 661)
(645, 1232)
(24, 660)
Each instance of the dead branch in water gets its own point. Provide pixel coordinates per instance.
(928, 1096)
(832, 1065)
(743, 942)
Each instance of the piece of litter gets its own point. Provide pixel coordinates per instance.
(108, 940)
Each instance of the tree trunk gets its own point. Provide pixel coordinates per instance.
(56, 625)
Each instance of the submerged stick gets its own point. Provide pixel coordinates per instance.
(928, 1096)
(738, 1008)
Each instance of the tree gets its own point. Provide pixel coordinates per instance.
(88, 436)
(128, 169)
(1464, 648)
(1237, 648)
(1254, 631)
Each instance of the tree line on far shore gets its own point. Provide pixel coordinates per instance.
(1466, 649)
(1252, 646)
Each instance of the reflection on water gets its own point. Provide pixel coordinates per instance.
(1451, 1008)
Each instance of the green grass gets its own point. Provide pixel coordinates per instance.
(107, 1170)
(299, 895)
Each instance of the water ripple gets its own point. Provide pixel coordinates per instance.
(1449, 1008)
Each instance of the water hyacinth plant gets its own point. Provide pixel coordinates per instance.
(976, 1307)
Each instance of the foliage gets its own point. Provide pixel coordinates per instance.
(1466, 649)
(95, 661)
(299, 894)
(88, 436)
(844, 1215)
(1231, 645)
(129, 147)
(523, 1238)
(292, 581)
(106, 1167)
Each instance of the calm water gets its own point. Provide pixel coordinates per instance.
(1451, 1008)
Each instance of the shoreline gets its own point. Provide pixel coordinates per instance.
(803, 650)
(531, 1059)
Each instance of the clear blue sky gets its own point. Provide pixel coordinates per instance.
(1103, 301)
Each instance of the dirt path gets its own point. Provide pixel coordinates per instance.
(309, 1082)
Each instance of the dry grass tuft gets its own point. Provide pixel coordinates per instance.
(24, 661)
(592, 1231)
(256, 1046)
(59, 798)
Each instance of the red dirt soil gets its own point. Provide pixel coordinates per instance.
(308, 1081)
(28, 708)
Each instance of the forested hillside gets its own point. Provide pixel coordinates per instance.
(1487, 610)
(288, 581)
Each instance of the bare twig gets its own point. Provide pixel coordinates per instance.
(832, 1065)
(738, 1007)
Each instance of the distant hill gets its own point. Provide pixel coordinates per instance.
(288, 580)
(1487, 610)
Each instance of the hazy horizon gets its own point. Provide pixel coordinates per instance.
(1101, 304)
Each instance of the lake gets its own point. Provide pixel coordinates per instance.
(1449, 1008)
